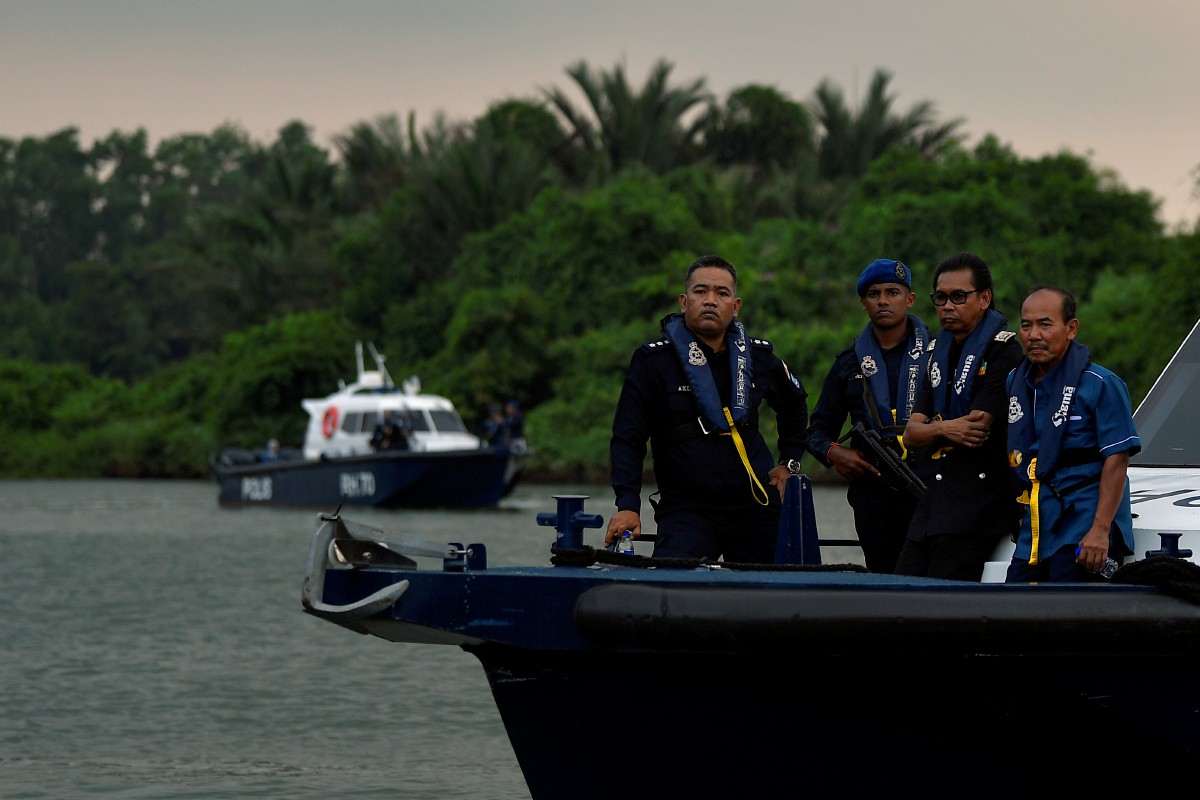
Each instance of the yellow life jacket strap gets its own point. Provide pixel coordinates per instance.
(1035, 519)
(756, 488)
(939, 452)
(900, 439)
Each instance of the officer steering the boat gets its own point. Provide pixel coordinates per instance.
(694, 394)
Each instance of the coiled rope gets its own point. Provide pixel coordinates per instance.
(1171, 576)
(586, 556)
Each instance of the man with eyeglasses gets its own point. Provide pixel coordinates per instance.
(960, 416)
(875, 382)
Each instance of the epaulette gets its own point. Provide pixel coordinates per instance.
(1004, 336)
(656, 345)
(761, 343)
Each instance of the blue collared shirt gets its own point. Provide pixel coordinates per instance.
(1101, 418)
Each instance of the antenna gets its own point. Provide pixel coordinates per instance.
(379, 359)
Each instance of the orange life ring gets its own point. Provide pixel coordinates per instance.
(329, 422)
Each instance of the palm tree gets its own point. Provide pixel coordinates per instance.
(853, 138)
(375, 160)
(627, 127)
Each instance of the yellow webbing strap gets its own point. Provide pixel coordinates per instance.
(939, 452)
(1035, 521)
(900, 439)
(755, 486)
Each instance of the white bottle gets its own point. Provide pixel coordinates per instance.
(625, 546)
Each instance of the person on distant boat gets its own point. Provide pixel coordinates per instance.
(514, 420)
(959, 416)
(405, 423)
(1071, 434)
(391, 433)
(874, 381)
(495, 427)
(695, 394)
(271, 453)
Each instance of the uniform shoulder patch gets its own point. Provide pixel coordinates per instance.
(761, 343)
(656, 345)
(1004, 336)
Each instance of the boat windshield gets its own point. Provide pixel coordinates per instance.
(447, 422)
(1167, 419)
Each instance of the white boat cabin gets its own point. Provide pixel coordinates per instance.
(343, 423)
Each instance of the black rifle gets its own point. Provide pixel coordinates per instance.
(892, 469)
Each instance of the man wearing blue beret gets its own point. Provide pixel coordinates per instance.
(875, 382)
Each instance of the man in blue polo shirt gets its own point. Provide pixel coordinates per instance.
(1070, 436)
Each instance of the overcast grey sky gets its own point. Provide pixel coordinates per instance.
(1115, 80)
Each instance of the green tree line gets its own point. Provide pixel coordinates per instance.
(160, 303)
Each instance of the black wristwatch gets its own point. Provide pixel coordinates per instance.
(793, 466)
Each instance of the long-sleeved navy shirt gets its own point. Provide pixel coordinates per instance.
(657, 405)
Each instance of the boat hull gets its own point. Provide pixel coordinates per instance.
(703, 683)
(812, 724)
(405, 479)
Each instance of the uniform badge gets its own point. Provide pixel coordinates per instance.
(869, 366)
(900, 271)
(696, 355)
(961, 383)
(1060, 416)
(935, 375)
(1015, 458)
(788, 372)
(1015, 412)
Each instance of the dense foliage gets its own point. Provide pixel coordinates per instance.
(162, 302)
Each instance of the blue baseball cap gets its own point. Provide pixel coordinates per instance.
(884, 270)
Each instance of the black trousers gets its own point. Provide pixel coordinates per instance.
(740, 534)
(956, 556)
(881, 519)
(1060, 566)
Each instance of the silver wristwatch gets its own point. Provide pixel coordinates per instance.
(793, 466)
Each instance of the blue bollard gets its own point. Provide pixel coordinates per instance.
(570, 520)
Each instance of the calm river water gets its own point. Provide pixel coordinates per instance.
(154, 647)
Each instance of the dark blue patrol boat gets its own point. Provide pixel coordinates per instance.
(798, 678)
(784, 680)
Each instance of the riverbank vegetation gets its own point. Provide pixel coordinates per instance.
(162, 302)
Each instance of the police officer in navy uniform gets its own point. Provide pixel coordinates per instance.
(874, 381)
(694, 395)
(961, 416)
